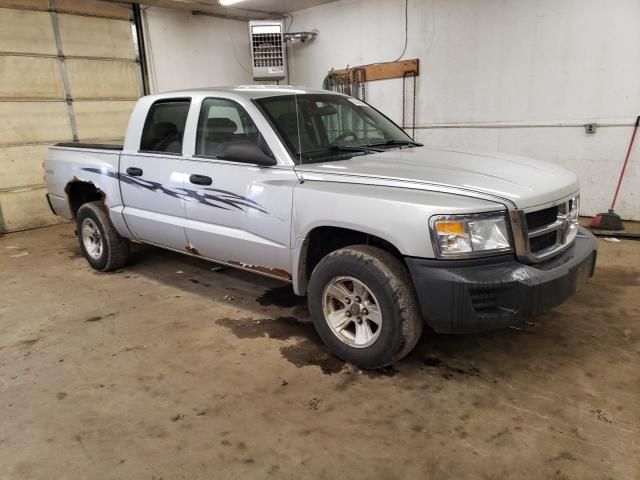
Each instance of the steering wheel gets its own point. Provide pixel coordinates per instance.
(343, 136)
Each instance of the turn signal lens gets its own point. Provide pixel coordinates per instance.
(449, 227)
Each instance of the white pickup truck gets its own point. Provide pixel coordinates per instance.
(322, 190)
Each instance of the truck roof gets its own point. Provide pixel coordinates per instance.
(247, 91)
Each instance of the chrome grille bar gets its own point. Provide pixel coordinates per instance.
(536, 232)
(564, 226)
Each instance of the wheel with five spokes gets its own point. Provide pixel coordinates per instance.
(364, 307)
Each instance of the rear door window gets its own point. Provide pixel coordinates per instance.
(164, 127)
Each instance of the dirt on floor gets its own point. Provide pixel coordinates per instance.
(176, 368)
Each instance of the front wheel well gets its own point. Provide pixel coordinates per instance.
(79, 193)
(321, 241)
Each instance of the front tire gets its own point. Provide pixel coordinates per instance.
(100, 243)
(364, 306)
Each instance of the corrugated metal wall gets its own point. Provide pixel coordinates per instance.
(68, 71)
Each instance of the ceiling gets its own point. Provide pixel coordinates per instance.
(247, 9)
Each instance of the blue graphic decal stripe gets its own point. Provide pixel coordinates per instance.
(217, 198)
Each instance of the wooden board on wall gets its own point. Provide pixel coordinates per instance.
(384, 71)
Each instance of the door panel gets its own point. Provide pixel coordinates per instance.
(152, 181)
(244, 217)
(154, 208)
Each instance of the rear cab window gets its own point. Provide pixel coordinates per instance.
(163, 129)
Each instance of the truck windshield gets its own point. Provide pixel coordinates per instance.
(321, 128)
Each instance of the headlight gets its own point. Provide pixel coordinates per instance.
(457, 236)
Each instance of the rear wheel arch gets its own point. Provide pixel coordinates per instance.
(80, 192)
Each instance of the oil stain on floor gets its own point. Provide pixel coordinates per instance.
(306, 350)
(281, 297)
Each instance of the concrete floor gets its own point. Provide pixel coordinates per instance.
(170, 370)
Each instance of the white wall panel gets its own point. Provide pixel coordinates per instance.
(195, 51)
(501, 64)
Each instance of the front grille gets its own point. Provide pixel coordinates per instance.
(537, 244)
(542, 217)
(544, 233)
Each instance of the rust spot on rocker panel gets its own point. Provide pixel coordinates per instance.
(275, 272)
(192, 250)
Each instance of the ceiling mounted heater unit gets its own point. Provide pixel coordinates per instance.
(267, 50)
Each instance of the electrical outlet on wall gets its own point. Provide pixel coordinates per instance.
(590, 127)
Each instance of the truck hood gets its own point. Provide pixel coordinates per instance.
(520, 181)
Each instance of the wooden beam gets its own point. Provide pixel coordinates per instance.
(383, 71)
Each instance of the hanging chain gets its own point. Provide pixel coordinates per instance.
(413, 120)
(404, 103)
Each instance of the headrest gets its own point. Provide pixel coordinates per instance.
(221, 125)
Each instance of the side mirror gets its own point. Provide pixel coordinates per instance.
(246, 153)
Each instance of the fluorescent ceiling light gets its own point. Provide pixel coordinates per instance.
(228, 2)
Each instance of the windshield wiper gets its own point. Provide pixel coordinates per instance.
(395, 142)
(354, 148)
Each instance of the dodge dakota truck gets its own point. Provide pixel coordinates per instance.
(319, 189)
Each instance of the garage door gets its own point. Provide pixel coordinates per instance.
(68, 71)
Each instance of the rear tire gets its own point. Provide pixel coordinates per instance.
(101, 244)
(363, 305)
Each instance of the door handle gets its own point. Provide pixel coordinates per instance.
(134, 171)
(200, 179)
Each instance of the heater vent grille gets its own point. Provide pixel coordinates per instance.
(267, 50)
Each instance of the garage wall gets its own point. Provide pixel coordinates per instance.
(189, 51)
(68, 72)
(511, 76)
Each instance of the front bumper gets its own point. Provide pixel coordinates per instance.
(468, 296)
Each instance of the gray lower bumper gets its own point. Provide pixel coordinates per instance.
(480, 295)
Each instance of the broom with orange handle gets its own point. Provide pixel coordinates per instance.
(611, 220)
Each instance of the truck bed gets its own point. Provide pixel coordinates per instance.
(93, 146)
